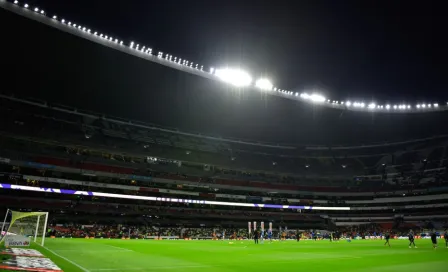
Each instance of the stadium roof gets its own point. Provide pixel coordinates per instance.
(60, 68)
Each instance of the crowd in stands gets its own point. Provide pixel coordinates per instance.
(179, 232)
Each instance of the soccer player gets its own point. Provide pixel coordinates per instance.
(270, 235)
(387, 237)
(445, 235)
(262, 236)
(331, 236)
(256, 236)
(298, 236)
(411, 239)
(434, 239)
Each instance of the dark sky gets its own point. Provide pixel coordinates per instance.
(362, 49)
(354, 49)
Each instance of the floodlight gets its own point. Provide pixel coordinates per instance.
(436, 105)
(26, 5)
(36, 9)
(418, 106)
(297, 94)
(16, 2)
(387, 106)
(372, 105)
(235, 77)
(62, 21)
(423, 106)
(69, 23)
(362, 105)
(348, 103)
(409, 106)
(264, 84)
(55, 17)
(42, 12)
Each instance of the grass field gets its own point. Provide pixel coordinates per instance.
(147, 255)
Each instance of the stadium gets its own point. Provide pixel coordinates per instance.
(175, 165)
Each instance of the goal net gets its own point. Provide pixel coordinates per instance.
(28, 224)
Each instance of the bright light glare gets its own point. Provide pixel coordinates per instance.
(26, 5)
(16, 2)
(436, 105)
(235, 77)
(313, 97)
(264, 84)
(372, 105)
(387, 106)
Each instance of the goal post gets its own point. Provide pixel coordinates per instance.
(28, 224)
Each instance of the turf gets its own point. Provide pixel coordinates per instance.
(147, 255)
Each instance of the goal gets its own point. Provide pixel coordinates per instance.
(28, 224)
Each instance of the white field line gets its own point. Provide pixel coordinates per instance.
(121, 248)
(73, 263)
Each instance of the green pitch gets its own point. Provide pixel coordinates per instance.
(146, 255)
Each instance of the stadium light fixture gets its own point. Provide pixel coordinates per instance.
(429, 105)
(55, 17)
(26, 5)
(264, 84)
(436, 105)
(16, 2)
(36, 9)
(63, 21)
(42, 12)
(297, 94)
(235, 77)
(372, 105)
(418, 106)
(409, 106)
(69, 23)
(348, 103)
(387, 107)
(423, 106)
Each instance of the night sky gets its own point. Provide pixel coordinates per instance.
(387, 51)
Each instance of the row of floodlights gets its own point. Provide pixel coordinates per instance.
(387, 107)
(236, 77)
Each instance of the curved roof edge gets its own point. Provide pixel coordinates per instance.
(115, 44)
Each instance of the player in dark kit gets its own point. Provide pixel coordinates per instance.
(411, 239)
(256, 237)
(298, 236)
(434, 239)
(387, 237)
